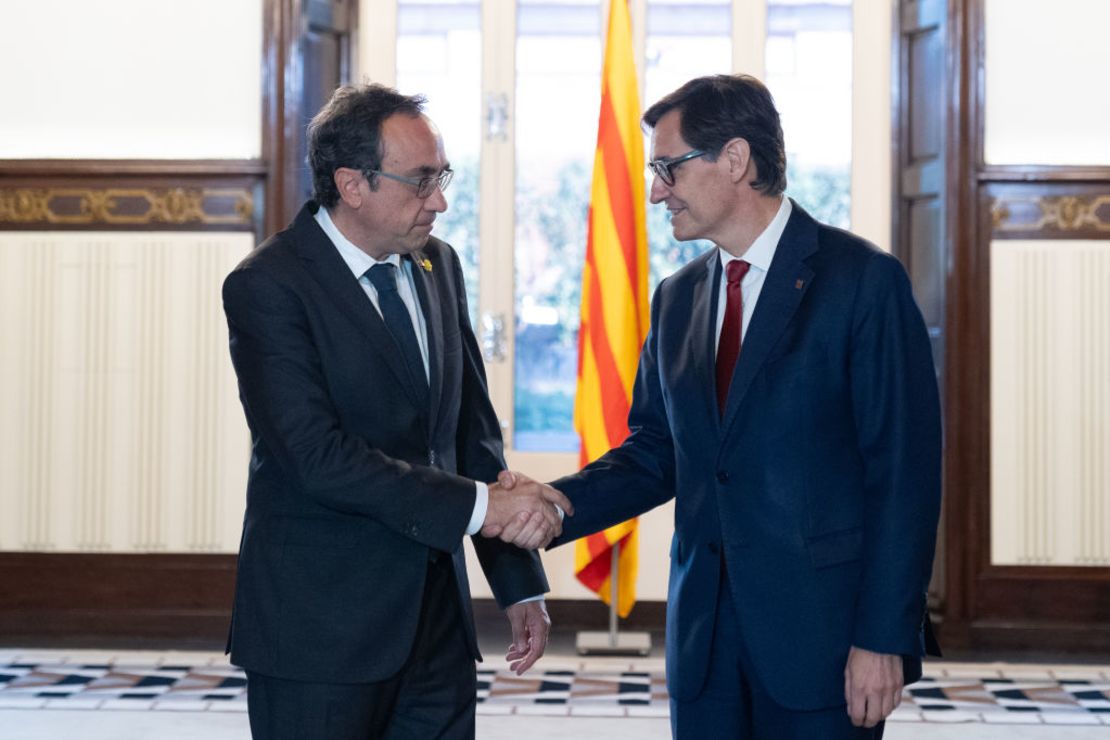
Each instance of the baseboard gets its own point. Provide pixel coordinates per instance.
(101, 600)
(180, 601)
(184, 601)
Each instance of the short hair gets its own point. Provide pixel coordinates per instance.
(717, 108)
(347, 132)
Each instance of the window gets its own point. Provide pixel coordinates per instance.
(439, 54)
(809, 71)
(684, 40)
(515, 88)
(558, 58)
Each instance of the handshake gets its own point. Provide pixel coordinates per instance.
(523, 512)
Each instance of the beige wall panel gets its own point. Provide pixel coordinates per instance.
(1050, 404)
(125, 432)
(1046, 64)
(123, 79)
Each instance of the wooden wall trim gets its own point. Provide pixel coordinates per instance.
(1043, 174)
(1049, 210)
(963, 305)
(102, 600)
(89, 195)
(193, 194)
(987, 607)
(277, 38)
(84, 599)
(111, 168)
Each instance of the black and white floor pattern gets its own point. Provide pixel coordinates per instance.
(996, 693)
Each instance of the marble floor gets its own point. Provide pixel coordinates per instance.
(187, 695)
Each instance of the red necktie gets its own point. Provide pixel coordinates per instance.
(728, 349)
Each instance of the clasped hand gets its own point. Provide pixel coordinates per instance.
(522, 511)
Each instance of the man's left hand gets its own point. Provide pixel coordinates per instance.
(872, 686)
(530, 625)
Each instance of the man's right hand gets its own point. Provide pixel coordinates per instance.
(522, 511)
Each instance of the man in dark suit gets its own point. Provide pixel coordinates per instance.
(372, 433)
(786, 399)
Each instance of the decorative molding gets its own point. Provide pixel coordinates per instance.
(126, 206)
(1074, 214)
(1041, 174)
(118, 169)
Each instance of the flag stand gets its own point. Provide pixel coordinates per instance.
(614, 642)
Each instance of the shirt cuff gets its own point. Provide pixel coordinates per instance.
(537, 597)
(481, 503)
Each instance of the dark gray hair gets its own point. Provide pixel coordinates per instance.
(718, 108)
(347, 132)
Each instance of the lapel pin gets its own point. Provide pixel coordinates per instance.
(799, 283)
(426, 264)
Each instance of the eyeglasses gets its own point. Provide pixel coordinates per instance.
(425, 186)
(663, 168)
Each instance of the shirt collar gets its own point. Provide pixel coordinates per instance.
(762, 250)
(357, 260)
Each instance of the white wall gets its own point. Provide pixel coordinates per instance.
(1046, 66)
(130, 79)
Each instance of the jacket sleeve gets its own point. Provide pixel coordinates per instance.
(638, 475)
(896, 410)
(291, 414)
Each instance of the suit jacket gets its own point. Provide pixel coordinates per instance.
(820, 485)
(353, 486)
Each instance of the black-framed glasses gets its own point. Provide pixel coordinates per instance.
(425, 186)
(663, 168)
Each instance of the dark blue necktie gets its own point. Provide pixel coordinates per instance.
(399, 322)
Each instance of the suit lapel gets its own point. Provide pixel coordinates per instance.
(783, 289)
(703, 311)
(324, 264)
(433, 320)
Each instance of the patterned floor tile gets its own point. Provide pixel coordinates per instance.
(21, 702)
(991, 693)
(181, 705)
(649, 711)
(73, 703)
(598, 711)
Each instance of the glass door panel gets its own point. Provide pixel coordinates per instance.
(558, 93)
(439, 54)
(809, 71)
(685, 39)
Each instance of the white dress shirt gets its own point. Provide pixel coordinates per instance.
(359, 262)
(759, 256)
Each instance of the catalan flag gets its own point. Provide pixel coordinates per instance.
(614, 299)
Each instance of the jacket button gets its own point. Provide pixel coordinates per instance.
(713, 548)
(722, 476)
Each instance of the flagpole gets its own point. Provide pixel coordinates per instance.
(614, 642)
(614, 593)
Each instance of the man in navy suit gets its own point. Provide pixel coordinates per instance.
(786, 399)
(372, 433)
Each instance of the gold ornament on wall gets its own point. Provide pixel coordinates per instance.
(126, 206)
(1069, 213)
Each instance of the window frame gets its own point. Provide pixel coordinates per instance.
(871, 171)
